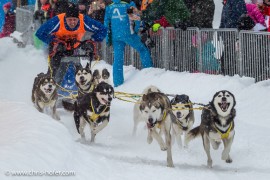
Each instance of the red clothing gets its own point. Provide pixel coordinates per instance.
(266, 11)
(163, 22)
(9, 26)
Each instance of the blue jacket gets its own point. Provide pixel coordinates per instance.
(44, 33)
(116, 19)
(231, 13)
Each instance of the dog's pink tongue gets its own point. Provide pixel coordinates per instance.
(223, 105)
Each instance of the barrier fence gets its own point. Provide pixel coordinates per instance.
(211, 51)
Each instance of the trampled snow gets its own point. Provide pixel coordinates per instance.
(34, 142)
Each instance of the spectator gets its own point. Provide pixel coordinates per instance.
(231, 12)
(58, 6)
(266, 12)
(44, 13)
(210, 64)
(118, 20)
(9, 26)
(82, 5)
(63, 33)
(255, 14)
(97, 10)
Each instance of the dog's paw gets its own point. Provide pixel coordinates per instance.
(209, 163)
(170, 165)
(163, 148)
(149, 139)
(229, 160)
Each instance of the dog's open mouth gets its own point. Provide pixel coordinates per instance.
(49, 90)
(105, 101)
(150, 125)
(224, 106)
(82, 82)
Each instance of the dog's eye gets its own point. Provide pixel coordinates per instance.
(219, 95)
(154, 111)
(146, 111)
(85, 73)
(227, 95)
(78, 74)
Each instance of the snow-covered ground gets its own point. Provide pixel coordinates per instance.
(34, 142)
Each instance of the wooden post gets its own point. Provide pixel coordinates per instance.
(18, 3)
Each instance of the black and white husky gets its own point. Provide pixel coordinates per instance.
(44, 94)
(183, 118)
(101, 75)
(155, 111)
(217, 125)
(83, 79)
(92, 108)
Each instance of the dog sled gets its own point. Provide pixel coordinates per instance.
(65, 75)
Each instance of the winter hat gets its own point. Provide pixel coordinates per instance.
(82, 2)
(7, 5)
(72, 11)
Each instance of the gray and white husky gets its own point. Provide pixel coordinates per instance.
(155, 110)
(217, 125)
(44, 94)
(183, 118)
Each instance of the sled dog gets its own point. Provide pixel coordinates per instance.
(101, 76)
(83, 79)
(217, 125)
(92, 108)
(136, 115)
(182, 118)
(155, 110)
(44, 94)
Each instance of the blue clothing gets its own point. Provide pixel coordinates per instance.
(231, 12)
(209, 63)
(45, 32)
(118, 24)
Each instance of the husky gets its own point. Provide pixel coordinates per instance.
(217, 125)
(92, 108)
(155, 110)
(83, 79)
(44, 94)
(136, 116)
(182, 118)
(101, 76)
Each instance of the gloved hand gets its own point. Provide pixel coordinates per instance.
(156, 27)
(38, 14)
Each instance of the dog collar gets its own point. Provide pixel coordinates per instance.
(226, 134)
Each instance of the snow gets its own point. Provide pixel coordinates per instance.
(32, 141)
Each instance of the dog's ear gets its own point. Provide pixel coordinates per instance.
(144, 97)
(88, 66)
(78, 66)
(105, 72)
(142, 106)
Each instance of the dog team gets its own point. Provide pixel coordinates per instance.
(166, 120)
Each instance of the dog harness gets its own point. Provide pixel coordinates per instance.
(226, 134)
(95, 116)
(163, 118)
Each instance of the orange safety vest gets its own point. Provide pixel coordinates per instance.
(70, 36)
(145, 3)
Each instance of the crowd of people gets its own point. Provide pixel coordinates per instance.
(121, 22)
